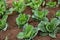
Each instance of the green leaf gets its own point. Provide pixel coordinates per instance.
(22, 19)
(43, 34)
(28, 30)
(10, 11)
(51, 4)
(34, 33)
(41, 27)
(57, 30)
(2, 24)
(45, 20)
(39, 15)
(55, 21)
(20, 35)
(58, 13)
(53, 35)
(5, 18)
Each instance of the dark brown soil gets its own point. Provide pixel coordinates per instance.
(13, 30)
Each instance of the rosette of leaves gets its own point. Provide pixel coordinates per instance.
(2, 7)
(34, 4)
(39, 14)
(49, 28)
(29, 32)
(22, 19)
(3, 23)
(58, 14)
(51, 4)
(19, 5)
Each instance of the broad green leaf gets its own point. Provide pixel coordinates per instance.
(43, 34)
(55, 21)
(58, 13)
(28, 30)
(41, 27)
(58, 30)
(51, 4)
(5, 18)
(20, 35)
(53, 35)
(10, 11)
(34, 33)
(2, 24)
(45, 20)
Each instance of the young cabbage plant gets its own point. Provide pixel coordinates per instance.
(49, 28)
(28, 33)
(3, 23)
(19, 5)
(22, 19)
(51, 4)
(34, 4)
(2, 7)
(39, 15)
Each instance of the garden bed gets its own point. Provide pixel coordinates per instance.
(13, 30)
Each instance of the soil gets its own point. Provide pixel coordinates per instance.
(13, 30)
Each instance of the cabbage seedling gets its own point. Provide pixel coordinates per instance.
(39, 15)
(34, 4)
(22, 19)
(19, 5)
(49, 28)
(28, 33)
